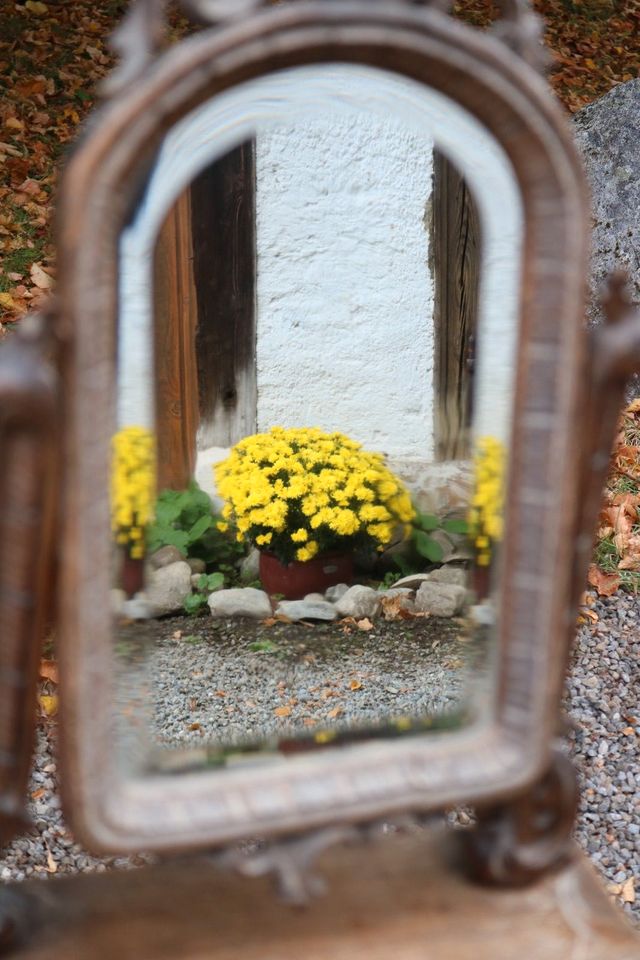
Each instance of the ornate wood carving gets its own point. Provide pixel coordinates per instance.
(139, 37)
(515, 842)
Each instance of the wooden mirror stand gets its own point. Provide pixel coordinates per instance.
(390, 883)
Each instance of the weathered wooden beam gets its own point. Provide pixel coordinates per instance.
(224, 250)
(175, 322)
(456, 262)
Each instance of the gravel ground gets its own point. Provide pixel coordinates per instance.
(603, 701)
(228, 682)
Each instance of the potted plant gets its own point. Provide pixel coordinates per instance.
(307, 499)
(133, 482)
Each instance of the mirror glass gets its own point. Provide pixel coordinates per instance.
(317, 328)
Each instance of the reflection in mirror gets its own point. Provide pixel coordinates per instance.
(319, 294)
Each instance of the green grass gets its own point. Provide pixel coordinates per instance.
(606, 557)
(623, 484)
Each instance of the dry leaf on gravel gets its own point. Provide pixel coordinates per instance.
(605, 583)
(629, 891)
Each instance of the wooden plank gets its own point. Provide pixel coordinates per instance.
(456, 261)
(224, 257)
(175, 349)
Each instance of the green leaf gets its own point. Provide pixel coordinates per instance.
(203, 581)
(427, 521)
(200, 527)
(427, 547)
(194, 602)
(215, 580)
(455, 526)
(162, 536)
(167, 511)
(403, 564)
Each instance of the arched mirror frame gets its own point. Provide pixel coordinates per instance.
(112, 812)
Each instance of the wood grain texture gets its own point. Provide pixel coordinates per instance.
(456, 263)
(175, 322)
(224, 247)
(408, 903)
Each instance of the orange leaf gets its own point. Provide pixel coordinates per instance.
(49, 670)
(282, 711)
(365, 624)
(605, 583)
(336, 712)
(355, 685)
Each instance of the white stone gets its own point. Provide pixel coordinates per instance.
(138, 608)
(333, 594)
(359, 601)
(250, 566)
(397, 592)
(307, 609)
(164, 557)
(456, 575)
(167, 587)
(440, 599)
(315, 596)
(412, 582)
(240, 602)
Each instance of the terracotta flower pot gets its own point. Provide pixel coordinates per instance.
(131, 575)
(296, 579)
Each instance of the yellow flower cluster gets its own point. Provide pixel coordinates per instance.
(133, 486)
(486, 511)
(301, 491)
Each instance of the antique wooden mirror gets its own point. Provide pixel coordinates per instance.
(364, 217)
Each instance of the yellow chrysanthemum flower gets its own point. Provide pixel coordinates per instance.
(486, 510)
(133, 486)
(279, 486)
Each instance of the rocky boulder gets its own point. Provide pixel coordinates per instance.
(167, 587)
(240, 602)
(308, 609)
(440, 599)
(359, 602)
(164, 557)
(606, 133)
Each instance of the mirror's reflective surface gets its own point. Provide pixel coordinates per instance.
(319, 295)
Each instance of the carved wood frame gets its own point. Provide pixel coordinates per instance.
(491, 761)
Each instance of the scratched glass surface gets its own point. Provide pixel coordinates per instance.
(317, 329)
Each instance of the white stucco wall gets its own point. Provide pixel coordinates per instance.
(344, 289)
